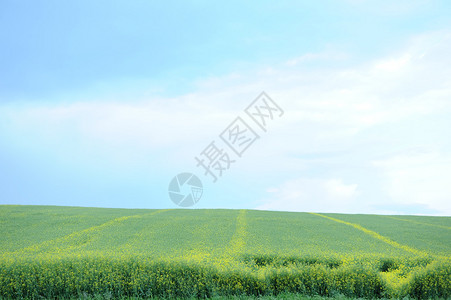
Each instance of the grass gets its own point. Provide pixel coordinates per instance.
(68, 252)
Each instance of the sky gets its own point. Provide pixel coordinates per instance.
(103, 103)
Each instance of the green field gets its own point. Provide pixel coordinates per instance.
(56, 252)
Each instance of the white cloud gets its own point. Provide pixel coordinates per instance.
(395, 64)
(418, 178)
(331, 103)
(150, 125)
(328, 55)
(305, 194)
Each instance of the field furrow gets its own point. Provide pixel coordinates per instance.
(238, 242)
(419, 223)
(376, 236)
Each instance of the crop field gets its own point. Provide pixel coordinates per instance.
(70, 252)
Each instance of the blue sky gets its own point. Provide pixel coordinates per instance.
(102, 103)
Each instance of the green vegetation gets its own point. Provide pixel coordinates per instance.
(67, 252)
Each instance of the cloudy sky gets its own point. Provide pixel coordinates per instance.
(102, 103)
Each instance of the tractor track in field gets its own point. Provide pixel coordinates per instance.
(376, 235)
(419, 223)
(77, 238)
(238, 241)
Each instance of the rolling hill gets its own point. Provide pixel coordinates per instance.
(53, 251)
